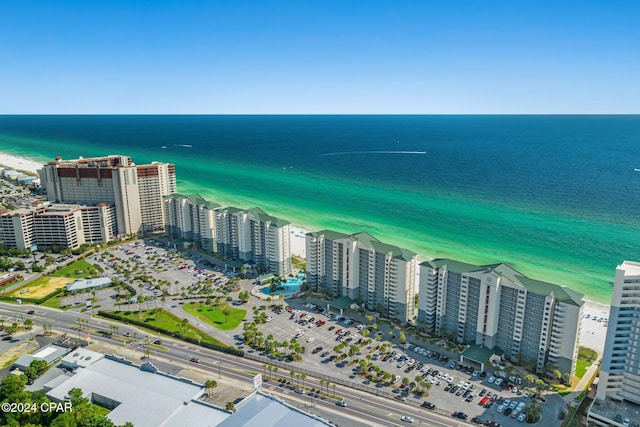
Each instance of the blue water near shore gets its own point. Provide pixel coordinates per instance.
(555, 196)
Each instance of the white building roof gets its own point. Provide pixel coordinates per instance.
(146, 397)
(98, 282)
(81, 357)
(49, 353)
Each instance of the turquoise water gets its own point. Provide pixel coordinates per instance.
(554, 196)
(289, 288)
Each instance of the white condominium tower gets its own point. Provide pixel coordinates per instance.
(359, 266)
(618, 392)
(62, 225)
(235, 234)
(497, 307)
(135, 191)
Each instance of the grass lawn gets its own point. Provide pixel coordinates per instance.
(581, 367)
(214, 315)
(167, 321)
(69, 271)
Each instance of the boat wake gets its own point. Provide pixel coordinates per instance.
(344, 153)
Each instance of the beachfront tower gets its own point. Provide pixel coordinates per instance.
(381, 277)
(135, 191)
(618, 390)
(496, 307)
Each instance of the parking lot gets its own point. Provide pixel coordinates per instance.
(454, 387)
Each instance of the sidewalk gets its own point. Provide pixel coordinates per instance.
(582, 384)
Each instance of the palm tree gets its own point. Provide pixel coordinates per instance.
(533, 412)
(210, 385)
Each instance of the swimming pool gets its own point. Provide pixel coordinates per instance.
(288, 289)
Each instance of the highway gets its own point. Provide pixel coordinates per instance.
(363, 408)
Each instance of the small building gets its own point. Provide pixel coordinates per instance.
(50, 353)
(92, 284)
(5, 279)
(479, 355)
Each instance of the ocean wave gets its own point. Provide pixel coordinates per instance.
(342, 153)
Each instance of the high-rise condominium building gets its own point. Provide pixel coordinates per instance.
(135, 191)
(57, 225)
(359, 266)
(235, 234)
(618, 392)
(496, 307)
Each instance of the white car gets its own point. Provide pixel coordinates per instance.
(521, 417)
(407, 419)
(491, 380)
(341, 403)
(498, 381)
(310, 339)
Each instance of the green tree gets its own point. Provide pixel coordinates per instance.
(403, 337)
(230, 406)
(210, 385)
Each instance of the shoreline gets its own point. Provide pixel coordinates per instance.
(297, 243)
(592, 333)
(298, 231)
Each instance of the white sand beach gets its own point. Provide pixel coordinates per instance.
(594, 333)
(20, 163)
(16, 162)
(297, 241)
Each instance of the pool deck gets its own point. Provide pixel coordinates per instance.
(256, 291)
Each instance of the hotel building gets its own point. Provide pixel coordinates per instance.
(359, 266)
(618, 392)
(496, 307)
(235, 234)
(58, 225)
(135, 191)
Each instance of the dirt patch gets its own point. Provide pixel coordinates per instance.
(43, 288)
(14, 352)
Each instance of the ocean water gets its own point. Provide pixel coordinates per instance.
(556, 197)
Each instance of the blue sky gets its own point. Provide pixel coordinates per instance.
(319, 57)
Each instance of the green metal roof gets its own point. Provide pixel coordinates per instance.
(262, 216)
(370, 241)
(195, 199)
(561, 293)
(480, 353)
(329, 234)
(342, 302)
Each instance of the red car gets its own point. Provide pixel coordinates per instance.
(338, 331)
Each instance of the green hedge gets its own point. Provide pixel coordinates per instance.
(230, 350)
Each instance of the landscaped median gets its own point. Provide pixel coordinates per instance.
(220, 316)
(163, 322)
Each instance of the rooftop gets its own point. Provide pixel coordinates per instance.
(49, 353)
(561, 293)
(146, 397)
(609, 408)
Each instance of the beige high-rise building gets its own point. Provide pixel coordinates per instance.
(496, 307)
(135, 191)
(381, 276)
(235, 234)
(61, 225)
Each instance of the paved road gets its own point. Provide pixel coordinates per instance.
(363, 408)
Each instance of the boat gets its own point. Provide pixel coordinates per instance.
(164, 146)
(636, 169)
